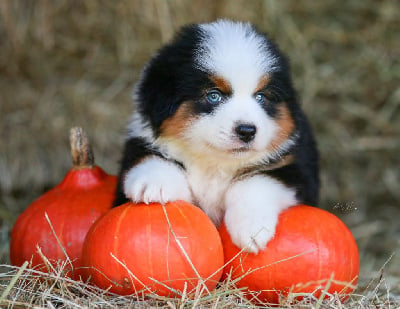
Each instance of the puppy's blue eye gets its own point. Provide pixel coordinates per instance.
(214, 96)
(260, 97)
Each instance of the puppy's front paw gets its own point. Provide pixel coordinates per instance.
(252, 209)
(251, 235)
(156, 180)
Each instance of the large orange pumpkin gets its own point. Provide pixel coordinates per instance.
(57, 222)
(312, 251)
(164, 249)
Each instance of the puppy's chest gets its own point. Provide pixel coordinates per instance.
(208, 190)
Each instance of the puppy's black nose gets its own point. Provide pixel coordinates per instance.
(246, 132)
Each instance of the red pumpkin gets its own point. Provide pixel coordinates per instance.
(154, 248)
(71, 207)
(312, 250)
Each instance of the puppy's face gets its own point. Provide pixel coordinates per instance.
(237, 122)
(223, 91)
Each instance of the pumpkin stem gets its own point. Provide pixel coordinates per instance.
(81, 150)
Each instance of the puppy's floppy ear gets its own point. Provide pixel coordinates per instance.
(165, 81)
(155, 95)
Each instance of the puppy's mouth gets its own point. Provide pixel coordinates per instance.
(241, 150)
(235, 150)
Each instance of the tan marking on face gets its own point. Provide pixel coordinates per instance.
(222, 84)
(285, 124)
(262, 84)
(176, 124)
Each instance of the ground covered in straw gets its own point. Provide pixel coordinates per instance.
(24, 287)
(67, 63)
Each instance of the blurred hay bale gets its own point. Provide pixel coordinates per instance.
(65, 63)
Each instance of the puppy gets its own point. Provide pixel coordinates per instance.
(217, 123)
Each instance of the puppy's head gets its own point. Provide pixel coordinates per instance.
(219, 89)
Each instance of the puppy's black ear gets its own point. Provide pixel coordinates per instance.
(155, 93)
(165, 81)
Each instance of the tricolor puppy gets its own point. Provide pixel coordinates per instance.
(217, 123)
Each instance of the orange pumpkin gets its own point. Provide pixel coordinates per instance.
(57, 222)
(312, 251)
(154, 248)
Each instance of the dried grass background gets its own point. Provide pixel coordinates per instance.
(66, 63)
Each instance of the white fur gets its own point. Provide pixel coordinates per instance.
(156, 180)
(236, 52)
(209, 185)
(252, 209)
(209, 172)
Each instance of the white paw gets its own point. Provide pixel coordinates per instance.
(156, 180)
(253, 235)
(253, 206)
